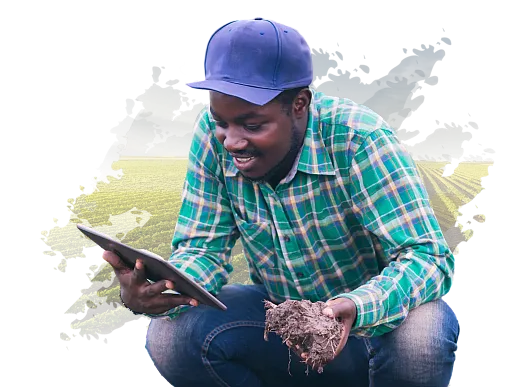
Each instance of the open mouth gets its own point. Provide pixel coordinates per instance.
(243, 159)
(243, 163)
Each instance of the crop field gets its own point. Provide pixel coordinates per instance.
(141, 210)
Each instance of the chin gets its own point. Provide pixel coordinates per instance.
(254, 176)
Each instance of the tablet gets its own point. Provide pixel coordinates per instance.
(156, 268)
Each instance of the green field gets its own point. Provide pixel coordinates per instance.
(141, 209)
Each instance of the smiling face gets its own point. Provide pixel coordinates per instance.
(263, 140)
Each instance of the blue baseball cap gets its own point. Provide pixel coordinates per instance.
(256, 60)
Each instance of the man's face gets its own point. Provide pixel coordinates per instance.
(263, 140)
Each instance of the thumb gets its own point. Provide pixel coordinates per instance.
(334, 308)
(330, 311)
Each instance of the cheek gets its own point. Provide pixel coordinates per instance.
(280, 141)
(268, 144)
(276, 137)
(219, 134)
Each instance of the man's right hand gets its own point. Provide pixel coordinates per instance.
(139, 294)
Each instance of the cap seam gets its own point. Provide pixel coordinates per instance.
(279, 53)
(210, 39)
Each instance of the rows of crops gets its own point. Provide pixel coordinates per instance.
(142, 207)
(450, 192)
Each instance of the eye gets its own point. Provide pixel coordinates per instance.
(221, 124)
(252, 128)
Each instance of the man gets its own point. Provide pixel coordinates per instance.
(329, 206)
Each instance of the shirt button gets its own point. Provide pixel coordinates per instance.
(299, 274)
(287, 238)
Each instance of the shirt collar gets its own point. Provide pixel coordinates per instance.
(312, 158)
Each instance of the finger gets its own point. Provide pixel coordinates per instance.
(305, 358)
(138, 275)
(158, 287)
(329, 312)
(121, 271)
(297, 349)
(115, 261)
(335, 301)
(298, 352)
(294, 348)
(333, 307)
(165, 302)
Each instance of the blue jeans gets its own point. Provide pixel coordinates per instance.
(207, 347)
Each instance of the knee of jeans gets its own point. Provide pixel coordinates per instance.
(424, 345)
(175, 346)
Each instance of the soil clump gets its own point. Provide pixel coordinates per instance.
(302, 323)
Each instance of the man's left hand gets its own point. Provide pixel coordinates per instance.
(343, 309)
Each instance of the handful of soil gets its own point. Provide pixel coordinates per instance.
(302, 323)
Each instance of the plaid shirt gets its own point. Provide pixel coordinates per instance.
(351, 219)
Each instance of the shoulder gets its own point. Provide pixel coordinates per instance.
(204, 121)
(204, 128)
(346, 126)
(346, 115)
(205, 150)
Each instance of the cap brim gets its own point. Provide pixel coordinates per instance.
(255, 95)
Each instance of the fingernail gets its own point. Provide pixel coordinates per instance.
(194, 303)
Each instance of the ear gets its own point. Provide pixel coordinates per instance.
(301, 103)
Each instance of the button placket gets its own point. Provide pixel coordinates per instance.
(288, 243)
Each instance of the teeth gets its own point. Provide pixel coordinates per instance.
(243, 160)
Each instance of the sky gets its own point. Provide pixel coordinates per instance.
(159, 120)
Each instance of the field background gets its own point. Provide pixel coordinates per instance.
(146, 200)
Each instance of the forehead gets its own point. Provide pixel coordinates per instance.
(226, 106)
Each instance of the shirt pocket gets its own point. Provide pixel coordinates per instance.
(258, 244)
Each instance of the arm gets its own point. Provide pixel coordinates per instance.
(390, 201)
(205, 232)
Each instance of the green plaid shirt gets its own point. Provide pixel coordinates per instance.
(352, 219)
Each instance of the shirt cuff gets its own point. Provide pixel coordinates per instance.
(369, 307)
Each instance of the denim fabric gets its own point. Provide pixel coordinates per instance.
(208, 347)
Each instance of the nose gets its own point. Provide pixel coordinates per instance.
(234, 141)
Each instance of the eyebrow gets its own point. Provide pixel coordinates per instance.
(238, 119)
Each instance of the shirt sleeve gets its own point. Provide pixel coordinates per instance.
(391, 201)
(206, 231)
